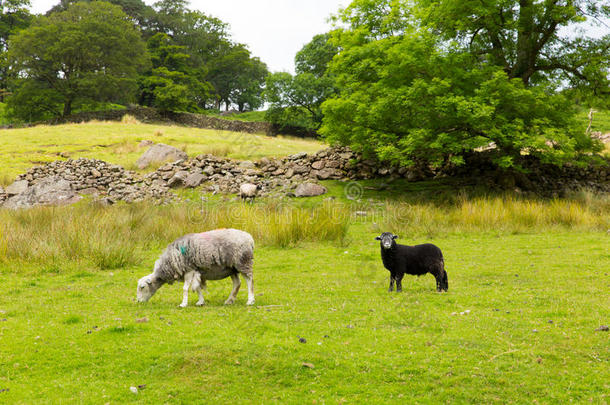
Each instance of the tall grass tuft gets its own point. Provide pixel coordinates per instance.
(504, 214)
(129, 119)
(118, 236)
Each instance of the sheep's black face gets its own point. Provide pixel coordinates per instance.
(387, 240)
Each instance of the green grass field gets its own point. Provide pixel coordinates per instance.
(528, 286)
(117, 143)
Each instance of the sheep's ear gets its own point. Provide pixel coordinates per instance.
(148, 281)
(378, 238)
(395, 237)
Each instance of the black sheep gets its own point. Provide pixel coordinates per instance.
(416, 260)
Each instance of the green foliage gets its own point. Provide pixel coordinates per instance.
(4, 119)
(14, 16)
(90, 52)
(238, 77)
(413, 95)
(295, 100)
(173, 84)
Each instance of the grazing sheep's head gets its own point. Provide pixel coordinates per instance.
(387, 240)
(147, 287)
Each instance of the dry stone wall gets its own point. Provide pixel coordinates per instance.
(146, 114)
(281, 177)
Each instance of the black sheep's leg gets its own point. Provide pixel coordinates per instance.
(445, 285)
(399, 282)
(391, 283)
(439, 280)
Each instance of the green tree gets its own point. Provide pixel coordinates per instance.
(248, 88)
(172, 84)
(14, 16)
(89, 53)
(237, 77)
(432, 80)
(137, 10)
(295, 101)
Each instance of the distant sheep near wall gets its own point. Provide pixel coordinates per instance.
(416, 260)
(247, 191)
(214, 255)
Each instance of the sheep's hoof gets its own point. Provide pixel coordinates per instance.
(230, 301)
(182, 305)
(200, 304)
(250, 302)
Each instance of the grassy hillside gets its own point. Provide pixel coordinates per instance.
(118, 143)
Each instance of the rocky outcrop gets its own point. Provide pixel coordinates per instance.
(48, 191)
(160, 153)
(17, 187)
(309, 190)
(97, 178)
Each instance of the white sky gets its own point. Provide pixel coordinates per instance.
(274, 30)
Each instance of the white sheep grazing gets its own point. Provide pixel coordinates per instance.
(214, 255)
(247, 191)
(192, 280)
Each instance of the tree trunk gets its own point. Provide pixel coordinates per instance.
(526, 43)
(67, 108)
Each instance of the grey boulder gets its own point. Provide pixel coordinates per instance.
(49, 191)
(309, 190)
(160, 153)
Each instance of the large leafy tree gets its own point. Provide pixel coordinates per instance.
(431, 80)
(14, 16)
(89, 53)
(237, 77)
(295, 100)
(172, 84)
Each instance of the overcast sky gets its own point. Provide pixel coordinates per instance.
(274, 30)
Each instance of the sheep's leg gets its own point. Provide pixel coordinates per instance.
(391, 283)
(188, 279)
(399, 282)
(250, 282)
(445, 283)
(236, 285)
(441, 277)
(197, 285)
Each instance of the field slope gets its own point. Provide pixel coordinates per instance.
(117, 143)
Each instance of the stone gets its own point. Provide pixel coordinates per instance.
(178, 180)
(209, 170)
(96, 173)
(194, 180)
(309, 190)
(300, 169)
(247, 164)
(324, 174)
(318, 165)
(297, 156)
(49, 191)
(160, 153)
(17, 187)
